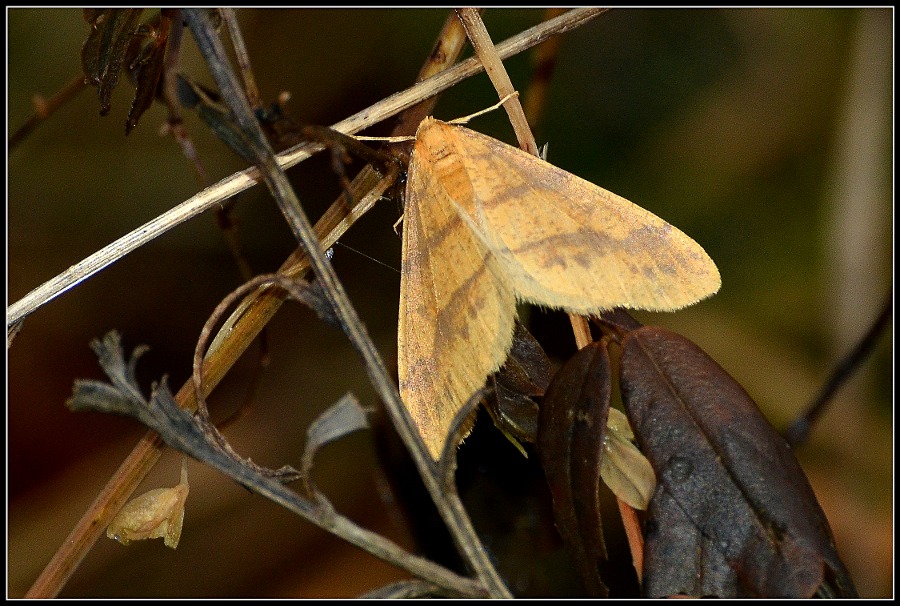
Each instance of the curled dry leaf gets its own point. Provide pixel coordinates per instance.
(344, 417)
(734, 514)
(153, 515)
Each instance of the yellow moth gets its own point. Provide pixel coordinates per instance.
(486, 224)
(155, 514)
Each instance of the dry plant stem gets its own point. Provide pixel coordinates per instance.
(634, 535)
(243, 57)
(245, 179)
(481, 41)
(799, 430)
(493, 65)
(581, 330)
(449, 45)
(265, 303)
(352, 326)
(44, 108)
(170, 71)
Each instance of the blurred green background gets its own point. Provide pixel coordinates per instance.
(765, 134)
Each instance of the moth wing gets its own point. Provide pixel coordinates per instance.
(565, 242)
(456, 310)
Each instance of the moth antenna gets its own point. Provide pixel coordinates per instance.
(465, 119)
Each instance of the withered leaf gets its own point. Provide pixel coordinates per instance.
(342, 418)
(570, 438)
(526, 373)
(105, 50)
(527, 369)
(733, 515)
(146, 70)
(181, 429)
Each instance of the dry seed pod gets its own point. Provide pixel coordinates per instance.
(155, 514)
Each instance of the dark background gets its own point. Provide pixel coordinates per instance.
(763, 134)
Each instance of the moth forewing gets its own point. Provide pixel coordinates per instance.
(486, 224)
(156, 514)
(567, 243)
(453, 310)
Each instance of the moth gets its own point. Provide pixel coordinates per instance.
(155, 514)
(487, 224)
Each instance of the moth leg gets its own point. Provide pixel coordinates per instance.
(397, 224)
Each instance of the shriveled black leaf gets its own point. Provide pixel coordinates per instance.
(147, 69)
(733, 515)
(112, 360)
(570, 438)
(180, 429)
(678, 558)
(526, 373)
(106, 48)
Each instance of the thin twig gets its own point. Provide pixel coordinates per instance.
(243, 57)
(44, 108)
(493, 65)
(799, 430)
(245, 179)
(109, 501)
(634, 535)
